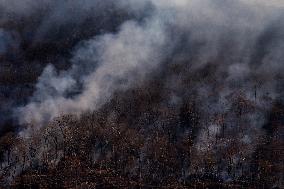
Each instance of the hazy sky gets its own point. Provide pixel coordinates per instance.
(276, 3)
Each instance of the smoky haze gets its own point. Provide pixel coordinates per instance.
(109, 46)
(60, 57)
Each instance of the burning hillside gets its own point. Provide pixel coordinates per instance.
(148, 93)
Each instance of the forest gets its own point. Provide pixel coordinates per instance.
(141, 94)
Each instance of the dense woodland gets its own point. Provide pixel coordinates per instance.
(190, 94)
(138, 139)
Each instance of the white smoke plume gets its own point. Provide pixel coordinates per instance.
(242, 40)
(117, 60)
(231, 50)
(121, 59)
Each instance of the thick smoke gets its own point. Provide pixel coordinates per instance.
(34, 34)
(113, 61)
(230, 50)
(239, 43)
(119, 59)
